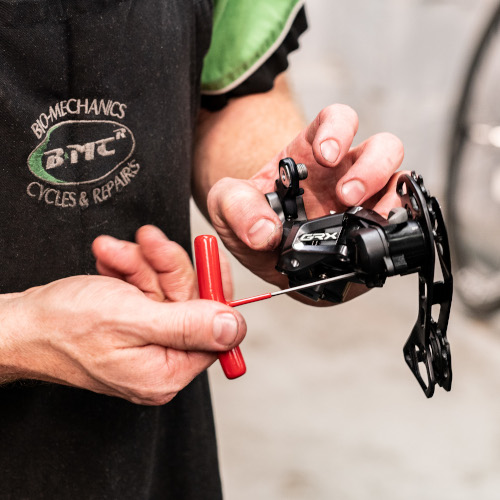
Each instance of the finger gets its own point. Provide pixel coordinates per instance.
(125, 258)
(331, 134)
(170, 261)
(197, 325)
(182, 367)
(104, 270)
(371, 165)
(238, 207)
(389, 197)
(158, 373)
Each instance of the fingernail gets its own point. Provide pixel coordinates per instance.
(353, 192)
(330, 150)
(225, 328)
(261, 232)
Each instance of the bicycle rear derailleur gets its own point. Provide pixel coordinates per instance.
(368, 248)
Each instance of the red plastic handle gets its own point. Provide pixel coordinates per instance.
(206, 253)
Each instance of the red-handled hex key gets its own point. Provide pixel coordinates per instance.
(210, 285)
(206, 253)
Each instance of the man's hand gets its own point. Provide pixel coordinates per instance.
(105, 335)
(339, 177)
(160, 268)
(156, 265)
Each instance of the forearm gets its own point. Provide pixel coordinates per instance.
(238, 140)
(25, 351)
(12, 349)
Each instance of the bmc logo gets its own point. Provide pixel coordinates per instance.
(80, 152)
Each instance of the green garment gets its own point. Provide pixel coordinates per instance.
(245, 34)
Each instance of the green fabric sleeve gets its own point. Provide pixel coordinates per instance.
(245, 34)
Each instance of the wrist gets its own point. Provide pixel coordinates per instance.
(13, 346)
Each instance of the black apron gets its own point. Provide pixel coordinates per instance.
(98, 101)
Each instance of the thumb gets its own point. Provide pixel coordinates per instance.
(238, 207)
(196, 325)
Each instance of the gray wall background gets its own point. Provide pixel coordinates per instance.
(328, 408)
(398, 63)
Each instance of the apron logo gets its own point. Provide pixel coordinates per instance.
(81, 162)
(81, 152)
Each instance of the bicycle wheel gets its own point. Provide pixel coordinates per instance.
(473, 196)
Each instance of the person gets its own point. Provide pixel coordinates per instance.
(104, 391)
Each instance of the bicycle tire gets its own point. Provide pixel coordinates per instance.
(477, 269)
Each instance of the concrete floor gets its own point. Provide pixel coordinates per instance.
(328, 408)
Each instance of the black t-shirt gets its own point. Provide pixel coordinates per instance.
(98, 106)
